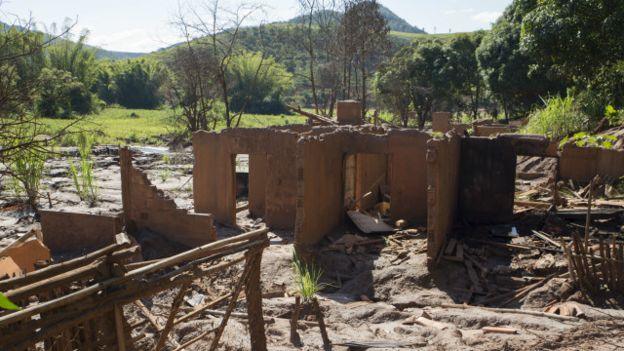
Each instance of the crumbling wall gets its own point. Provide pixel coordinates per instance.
(491, 130)
(443, 161)
(146, 207)
(349, 112)
(584, 163)
(319, 188)
(78, 232)
(320, 163)
(272, 177)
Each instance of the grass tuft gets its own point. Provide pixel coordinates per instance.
(83, 179)
(308, 278)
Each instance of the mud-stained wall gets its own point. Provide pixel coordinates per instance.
(272, 173)
(370, 172)
(443, 160)
(258, 166)
(584, 163)
(320, 166)
(78, 232)
(487, 181)
(147, 207)
(441, 122)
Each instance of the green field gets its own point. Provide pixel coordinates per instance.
(149, 127)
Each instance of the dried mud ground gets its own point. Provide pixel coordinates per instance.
(372, 292)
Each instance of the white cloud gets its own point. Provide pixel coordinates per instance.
(134, 40)
(486, 17)
(458, 11)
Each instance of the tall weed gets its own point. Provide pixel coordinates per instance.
(559, 118)
(26, 174)
(83, 178)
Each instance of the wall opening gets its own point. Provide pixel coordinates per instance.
(533, 176)
(241, 170)
(366, 190)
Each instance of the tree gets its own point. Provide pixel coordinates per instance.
(580, 43)
(217, 31)
(575, 39)
(392, 89)
(191, 87)
(463, 69)
(509, 72)
(62, 95)
(316, 35)
(364, 35)
(257, 84)
(138, 83)
(73, 57)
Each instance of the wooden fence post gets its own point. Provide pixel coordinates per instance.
(253, 293)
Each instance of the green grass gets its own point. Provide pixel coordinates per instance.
(123, 126)
(421, 36)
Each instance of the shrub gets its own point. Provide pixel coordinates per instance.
(62, 95)
(559, 118)
(27, 172)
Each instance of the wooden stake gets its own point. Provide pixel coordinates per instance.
(121, 335)
(321, 322)
(175, 306)
(589, 204)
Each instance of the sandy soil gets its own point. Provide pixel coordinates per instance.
(373, 292)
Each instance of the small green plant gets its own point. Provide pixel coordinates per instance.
(307, 277)
(583, 139)
(26, 174)
(84, 180)
(165, 173)
(6, 304)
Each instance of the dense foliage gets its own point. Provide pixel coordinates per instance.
(432, 75)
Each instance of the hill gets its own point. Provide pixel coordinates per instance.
(102, 54)
(395, 23)
(398, 24)
(99, 52)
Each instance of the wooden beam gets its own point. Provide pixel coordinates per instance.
(318, 118)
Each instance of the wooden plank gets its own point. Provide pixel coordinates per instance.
(368, 224)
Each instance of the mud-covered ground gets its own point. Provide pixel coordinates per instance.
(376, 289)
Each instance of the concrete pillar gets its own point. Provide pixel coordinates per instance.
(349, 112)
(441, 122)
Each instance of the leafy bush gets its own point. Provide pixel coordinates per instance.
(84, 181)
(559, 118)
(137, 84)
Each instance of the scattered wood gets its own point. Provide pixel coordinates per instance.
(313, 116)
(546, 238)
(426, 322)
(511, 310)
(499, 330)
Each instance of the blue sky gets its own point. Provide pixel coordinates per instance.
(145, 25)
